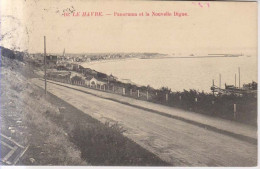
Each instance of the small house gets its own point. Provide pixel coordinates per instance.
(94, 82)
(51, 60)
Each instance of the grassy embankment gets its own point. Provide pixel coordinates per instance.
(23, 118)
(56, 132)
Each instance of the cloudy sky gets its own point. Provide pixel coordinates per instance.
(217, 27)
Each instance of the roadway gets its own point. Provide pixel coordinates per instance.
(175, 141)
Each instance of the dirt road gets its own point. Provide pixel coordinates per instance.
(175, 141)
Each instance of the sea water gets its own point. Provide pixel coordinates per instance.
(181, 73)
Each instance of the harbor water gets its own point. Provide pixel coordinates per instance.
(181, 73)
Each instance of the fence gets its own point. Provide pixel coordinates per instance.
(243, 109)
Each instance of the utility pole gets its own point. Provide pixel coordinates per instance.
(45, 65)
(219, 81)
(239, 77)
(213, 87)
(235, 80)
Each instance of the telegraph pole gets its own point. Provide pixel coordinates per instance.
(239, 77)
(235, 80)
(45, 65)
(220, 81)
(213, 87)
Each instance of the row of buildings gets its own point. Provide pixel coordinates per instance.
(93, 57)
(87, 76)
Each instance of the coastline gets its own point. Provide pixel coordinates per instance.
(87, 64)
(178, 73)
(84, 64)
(214, 107)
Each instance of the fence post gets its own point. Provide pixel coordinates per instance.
(104, 87)
(147, 95)
(123, 91)
(235, 111)
(166, 97)
(196, 100)
(138, 93)
(130, 92)
(180, 97)
(100, 86)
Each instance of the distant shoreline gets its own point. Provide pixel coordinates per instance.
(191, 57)
(104, 61)
(167, 57)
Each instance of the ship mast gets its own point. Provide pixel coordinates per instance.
(63, 53)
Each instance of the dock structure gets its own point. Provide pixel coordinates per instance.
(230, 89)
(250, 88)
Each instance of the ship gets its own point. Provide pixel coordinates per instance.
(250, 88)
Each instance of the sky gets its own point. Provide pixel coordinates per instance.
(217, 27)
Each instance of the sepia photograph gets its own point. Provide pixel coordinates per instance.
(129, 83)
